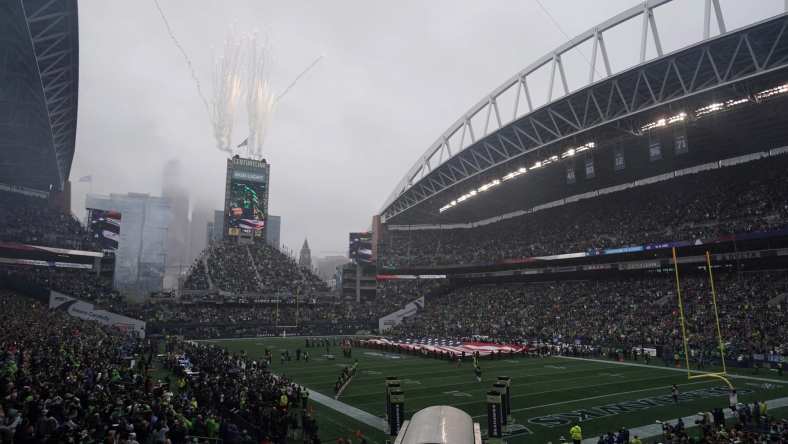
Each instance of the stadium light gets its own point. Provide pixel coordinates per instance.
(489, 185)
(520, 171)
(514, 174)
(664, 121)
(585, 147)
(782, 89)
(716, 107)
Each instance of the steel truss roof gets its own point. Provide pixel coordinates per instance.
(708, 64)
(41, 71)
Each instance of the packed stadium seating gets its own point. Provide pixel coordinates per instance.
(392, 295)
(81, 284)
(67, 380)
(197, 279)
(234, 318)
(30, 220)
(736, 199)
(257, 269)
(619, 313)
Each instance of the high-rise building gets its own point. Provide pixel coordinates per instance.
(218, 225)
(209, 233)
(272, 230)
(201, 213)
(178, 257)
(327, 266)
(305, 258)
(141, 237)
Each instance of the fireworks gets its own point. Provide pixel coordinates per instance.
(229, 85)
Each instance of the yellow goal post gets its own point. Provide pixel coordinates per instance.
(723, 375)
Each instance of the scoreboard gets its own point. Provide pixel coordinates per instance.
(246, 198)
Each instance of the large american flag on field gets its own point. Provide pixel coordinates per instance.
(453, 347)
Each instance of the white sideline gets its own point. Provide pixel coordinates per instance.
(652, 430)
(682, 370)
(348, 410)
(608, 395)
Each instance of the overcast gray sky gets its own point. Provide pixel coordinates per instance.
(395, 75)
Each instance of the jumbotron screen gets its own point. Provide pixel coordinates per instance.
(105, 227)
(360, 249)
(246, 209)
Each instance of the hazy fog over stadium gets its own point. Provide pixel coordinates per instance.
(394, 76)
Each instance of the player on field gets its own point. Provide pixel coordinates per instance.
(478, 371)
(674, 392)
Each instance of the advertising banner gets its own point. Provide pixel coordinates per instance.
(84, 310)
(387, 322)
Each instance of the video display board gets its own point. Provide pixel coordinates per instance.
(104, 225)
(360, 247)
(247, 207)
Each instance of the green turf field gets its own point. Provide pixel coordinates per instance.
(545, 391)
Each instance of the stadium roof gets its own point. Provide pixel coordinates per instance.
(490, 136)
(39, 57)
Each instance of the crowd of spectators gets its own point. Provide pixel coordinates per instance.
(752, 424)
(711, 204)
(621, 313)
(30, 220)
(257, 269)
(245, 401)
(79, 283)
(205, 319)
(66, 380)
(197, 279)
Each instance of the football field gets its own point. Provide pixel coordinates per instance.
(548, 394)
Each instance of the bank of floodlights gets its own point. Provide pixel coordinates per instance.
(703, 111)
(518, 172)
(717, 107)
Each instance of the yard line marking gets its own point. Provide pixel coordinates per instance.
(566, 388)
(652, 430)
(682, 370)
(585, 377)
(524, 395)
(571, 401)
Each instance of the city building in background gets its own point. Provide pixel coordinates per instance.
(143, 222)
(210, 228)
(305, 256)
(358, 282)
(273, 230)
(327, 266)
(218, 226)
(246, 199)
(177, 244)
(201, 213)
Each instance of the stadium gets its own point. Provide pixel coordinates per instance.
(601, 258)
